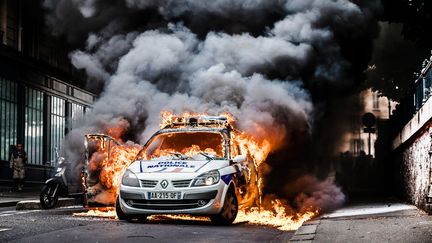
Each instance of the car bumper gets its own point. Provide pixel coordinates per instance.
(194, 200)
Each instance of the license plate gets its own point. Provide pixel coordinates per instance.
(164, 195)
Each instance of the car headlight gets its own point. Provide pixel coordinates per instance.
(207, 179)
(130, 179)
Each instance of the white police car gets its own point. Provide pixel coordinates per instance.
(189, 167)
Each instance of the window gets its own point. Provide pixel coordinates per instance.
(58, 122)
(34, 126)
(77, 113)
(375, 101)
(428, 79)
(357, 146)
(8, 118)
(418, 95)
(428, 84)
(188, 144)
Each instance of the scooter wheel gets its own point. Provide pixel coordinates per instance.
(48, 196)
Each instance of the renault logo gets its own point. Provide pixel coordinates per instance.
(164, 184)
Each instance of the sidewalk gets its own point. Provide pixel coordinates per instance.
(9, 197)
(383, 221)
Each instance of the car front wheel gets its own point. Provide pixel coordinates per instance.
(130, 217)
(120, 214)
(229, 210)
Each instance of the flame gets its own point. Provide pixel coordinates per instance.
(168, 117)
(188, 151)
(111, 163)
(277, 217)
(99, 212)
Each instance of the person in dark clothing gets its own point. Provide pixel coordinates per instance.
(17, 164)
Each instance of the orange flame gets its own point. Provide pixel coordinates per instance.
(109, 163)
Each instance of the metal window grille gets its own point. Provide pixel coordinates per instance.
(58, 123)
(77, 114)
(8, 118)
(34, 125)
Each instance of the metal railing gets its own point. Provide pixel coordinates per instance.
(415, 98)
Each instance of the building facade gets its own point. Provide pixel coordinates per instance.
(369, 101)
(41, 98)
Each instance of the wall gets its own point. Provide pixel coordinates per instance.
(411, 148)
(411, 126)
(415, 165)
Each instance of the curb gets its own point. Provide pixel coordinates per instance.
(35, 204)
(306, 233)
(8, 203)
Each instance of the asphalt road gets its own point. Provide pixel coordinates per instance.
(59, 225)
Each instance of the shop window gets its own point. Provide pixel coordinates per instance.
(34, 125)
(8, 118)
(77, 114)
(58, 123)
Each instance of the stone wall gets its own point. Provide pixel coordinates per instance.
(415, 161)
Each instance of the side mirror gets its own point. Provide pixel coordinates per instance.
(239, 159)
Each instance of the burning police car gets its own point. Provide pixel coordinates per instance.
(191, 166)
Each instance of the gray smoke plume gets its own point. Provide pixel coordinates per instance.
(268, 62)
(308, 191)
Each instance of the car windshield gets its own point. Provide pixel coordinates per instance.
(184, 145)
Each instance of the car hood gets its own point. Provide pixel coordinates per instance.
(176, 166)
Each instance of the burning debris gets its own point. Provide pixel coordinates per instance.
(108, 161)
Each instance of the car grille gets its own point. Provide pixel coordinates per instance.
(148, 183)
(181, 183)
(167, 204)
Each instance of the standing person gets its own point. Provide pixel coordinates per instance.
(17, 163)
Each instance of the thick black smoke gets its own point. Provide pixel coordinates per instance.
(394, 62)
(282, 65)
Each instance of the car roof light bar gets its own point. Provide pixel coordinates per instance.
(198, 121)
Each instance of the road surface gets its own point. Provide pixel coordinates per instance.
(59, 225)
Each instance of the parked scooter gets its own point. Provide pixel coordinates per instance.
(59, 185)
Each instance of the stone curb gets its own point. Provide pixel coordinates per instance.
(8, 203)
(306, 233)
(35, 204)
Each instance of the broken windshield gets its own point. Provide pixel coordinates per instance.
(184, 145)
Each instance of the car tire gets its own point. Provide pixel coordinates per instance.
(229, 210)
(129, 217)
(120, 214)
